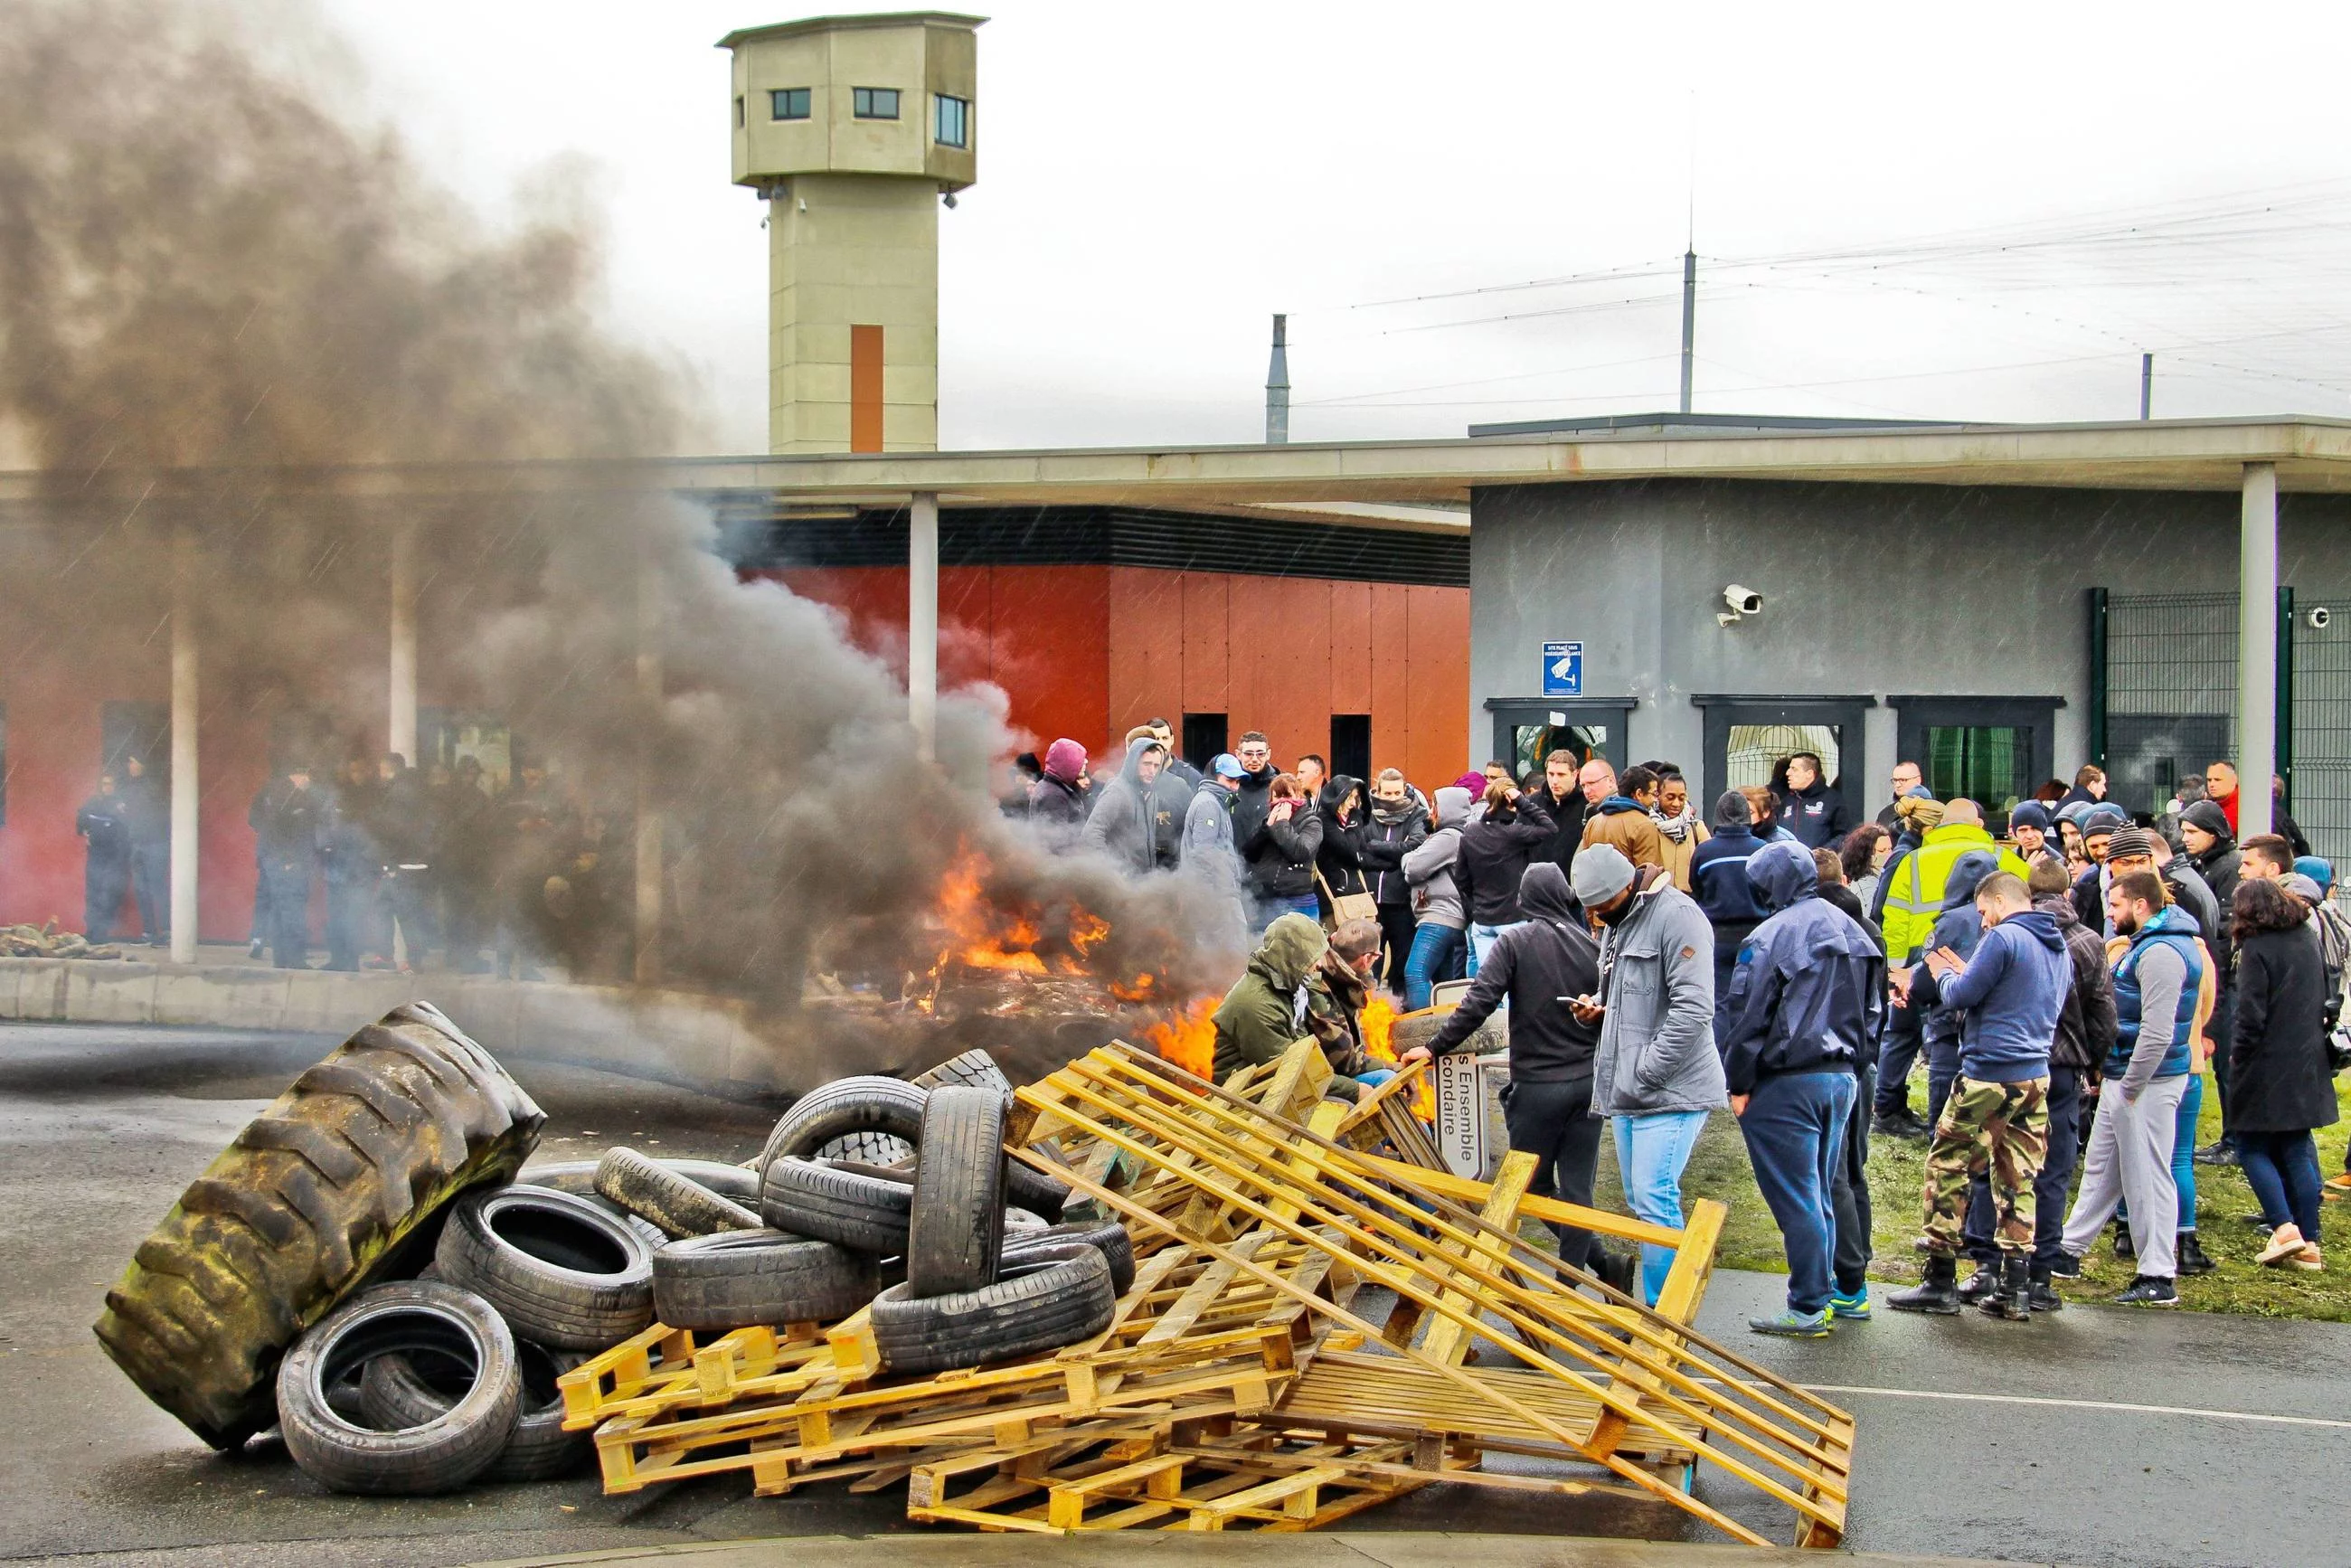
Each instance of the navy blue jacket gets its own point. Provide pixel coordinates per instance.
(1718, 878)
(1810, 983)
(1957, 927)
(2008, 999)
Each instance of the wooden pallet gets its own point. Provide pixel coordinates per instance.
(1092, 1482)
(1459, 1276)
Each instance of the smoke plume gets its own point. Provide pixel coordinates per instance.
(214, 286)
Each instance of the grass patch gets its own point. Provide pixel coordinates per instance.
(1718, 1168)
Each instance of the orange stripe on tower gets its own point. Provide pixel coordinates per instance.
(866, 389)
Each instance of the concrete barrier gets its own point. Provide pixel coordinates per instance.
(676, 1036)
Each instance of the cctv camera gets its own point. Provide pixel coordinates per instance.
(2318, 617)
(1743, 600)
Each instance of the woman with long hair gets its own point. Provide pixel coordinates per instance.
(2280, 1086)
(1863, 855)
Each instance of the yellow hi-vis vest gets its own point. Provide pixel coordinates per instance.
(1914, 893)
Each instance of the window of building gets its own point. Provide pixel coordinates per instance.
(789, 103)
(738, 114)
(1351, 745)
(1204, 737)
(873, 102)
(954, 121)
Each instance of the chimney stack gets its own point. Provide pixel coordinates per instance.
(1277, 387)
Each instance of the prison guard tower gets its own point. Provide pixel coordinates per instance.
(853, 130)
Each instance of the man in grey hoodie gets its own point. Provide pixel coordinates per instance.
(1655, 1070)
(1122, 825)
(1437, 941)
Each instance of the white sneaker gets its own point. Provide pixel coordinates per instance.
(2285, 1241)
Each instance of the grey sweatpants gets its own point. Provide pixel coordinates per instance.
(2130, 1157)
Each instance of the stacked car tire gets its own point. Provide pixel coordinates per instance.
(426, 1385)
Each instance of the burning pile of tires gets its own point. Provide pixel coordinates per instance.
(362, 1269)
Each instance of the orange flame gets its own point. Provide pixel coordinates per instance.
(1188, 1040)
(1379, 1039)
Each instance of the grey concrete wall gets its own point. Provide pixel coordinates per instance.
(1869, 588)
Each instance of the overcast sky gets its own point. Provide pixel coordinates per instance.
(2095, 179)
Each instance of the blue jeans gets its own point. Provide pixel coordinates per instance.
(1794, 1128)
(2282, 1170)
(1434, 949)
(1651, 1151)
(1271, 909)
(1481, 942)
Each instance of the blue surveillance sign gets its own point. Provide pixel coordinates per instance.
(1563, 670)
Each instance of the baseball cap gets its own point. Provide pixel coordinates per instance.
(1225, 765)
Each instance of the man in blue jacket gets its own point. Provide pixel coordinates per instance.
(1804, 1007)
(2008, 994)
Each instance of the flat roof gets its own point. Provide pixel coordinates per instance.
(843, 24)
(1364, 482)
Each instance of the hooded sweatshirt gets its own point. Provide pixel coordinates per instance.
(1121, 826)
(2008, 999)
(1957, 926)
(1428, 865)
(1808, 992)
(1266, 1010)
(1340, 857)
(1536, 965)
(1719, 871)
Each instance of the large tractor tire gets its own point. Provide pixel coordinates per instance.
(306, 1206)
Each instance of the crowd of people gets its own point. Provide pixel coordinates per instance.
(495, 880)
(2068, 981)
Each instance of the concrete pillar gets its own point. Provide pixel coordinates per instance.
(649, 820)
(2257, 649)
(923, 624)
(183, 743)
(402, 725)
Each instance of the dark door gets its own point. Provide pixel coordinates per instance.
(1994, 751)
(1204, 737)
(1351, 744)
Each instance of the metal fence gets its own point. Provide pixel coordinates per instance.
(2171, 702)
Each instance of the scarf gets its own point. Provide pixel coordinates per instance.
(1675, 827)
(1388, 816)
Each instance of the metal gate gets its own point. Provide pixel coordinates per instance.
(2170, 689)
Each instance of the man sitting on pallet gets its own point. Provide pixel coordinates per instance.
(1265, 1011)
(1336, 991)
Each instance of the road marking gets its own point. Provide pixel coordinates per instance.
(2084, 1405)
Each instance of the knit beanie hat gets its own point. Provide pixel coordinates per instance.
(2315, 868)
(2129, 843)
(2029, 814)
(1600, 873)
(2103, 820)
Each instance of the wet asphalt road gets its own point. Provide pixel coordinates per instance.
(2176, 1438)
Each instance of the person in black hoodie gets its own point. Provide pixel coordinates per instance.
(1495, 848)
(1345, 815)
(1810, 807)
(1536, 965)
(104, 825)
(1399, 825)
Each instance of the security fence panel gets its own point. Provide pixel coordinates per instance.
(2171, 692)
(2322, 720)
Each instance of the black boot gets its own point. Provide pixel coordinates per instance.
(2125, 1253)
(2013, 1300)
(2045, 1298)
(1984, 1282)
(1938, 1293)
(2191, 1256)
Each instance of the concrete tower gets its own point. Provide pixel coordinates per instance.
(853, 127)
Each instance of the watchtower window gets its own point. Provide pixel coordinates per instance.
(953, 127)
(873, 102)
(738, 114)
(789, 103)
